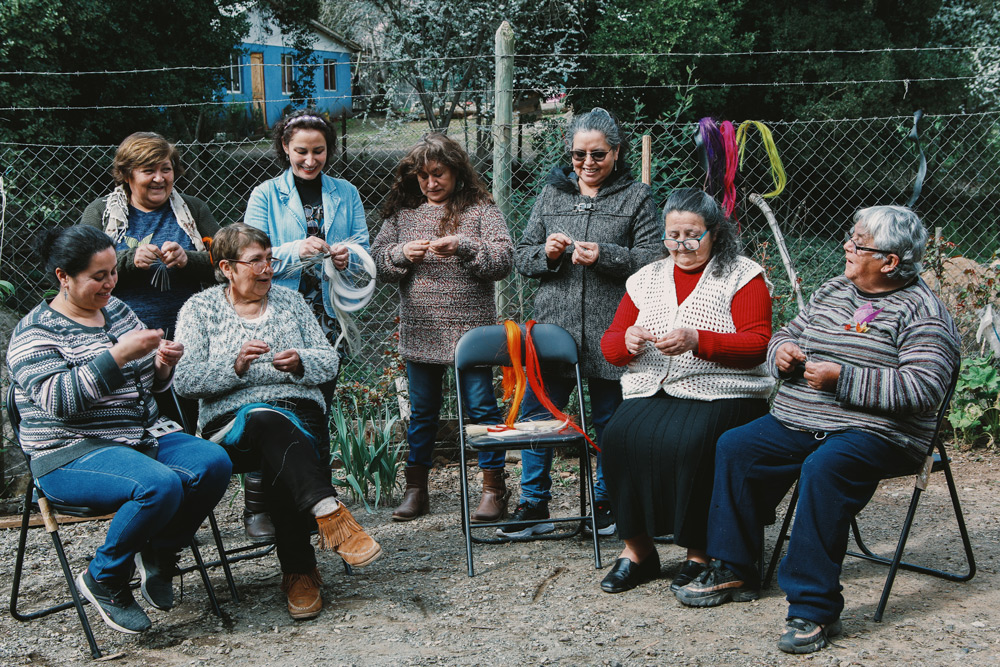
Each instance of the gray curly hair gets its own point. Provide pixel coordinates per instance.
(899, 231)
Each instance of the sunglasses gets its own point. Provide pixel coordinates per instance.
(596, 156)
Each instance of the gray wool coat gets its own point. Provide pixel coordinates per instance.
(623, 220)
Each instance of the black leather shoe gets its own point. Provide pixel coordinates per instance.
(626, 575)
(259, 527)
(689, 570)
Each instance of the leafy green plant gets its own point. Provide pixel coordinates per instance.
(6, 290)
(975, 408)
(364, 450)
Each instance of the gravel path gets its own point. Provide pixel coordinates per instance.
(535, 603)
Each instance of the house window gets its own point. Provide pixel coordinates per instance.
(287, 73)
(329, 75)
(235, 74)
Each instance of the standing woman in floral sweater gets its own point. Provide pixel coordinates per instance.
(445, 243)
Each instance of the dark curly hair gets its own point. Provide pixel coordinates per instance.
(725, 244)
(405, 191)
(69, 249)
(304, 119)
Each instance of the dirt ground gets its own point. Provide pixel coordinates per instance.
(535, 603)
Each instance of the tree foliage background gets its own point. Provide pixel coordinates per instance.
(121, 35)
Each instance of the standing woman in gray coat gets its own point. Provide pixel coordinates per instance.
(592, 227)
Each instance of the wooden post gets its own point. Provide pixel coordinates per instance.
(502, 126)
(647, 159)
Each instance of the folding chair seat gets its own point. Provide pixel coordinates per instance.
(936, 460)
(487, 346)
(35, 500)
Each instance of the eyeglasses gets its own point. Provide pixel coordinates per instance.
(854, 244)
(596, 156)
(258, 266)
(688, 244)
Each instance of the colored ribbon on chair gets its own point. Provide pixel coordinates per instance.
(514, 383)
(534, 372)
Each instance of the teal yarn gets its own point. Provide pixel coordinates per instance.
(235, 434)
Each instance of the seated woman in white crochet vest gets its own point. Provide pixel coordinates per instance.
(256, 358)
(693, 329)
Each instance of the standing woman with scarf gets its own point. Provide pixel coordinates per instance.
(155, 229)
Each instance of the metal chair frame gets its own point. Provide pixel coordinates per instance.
(487, 346)
(936, 460)
(35, 497)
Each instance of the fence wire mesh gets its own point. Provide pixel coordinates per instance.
(834, 167)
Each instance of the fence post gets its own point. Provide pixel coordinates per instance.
(647, 159)
(503, 121)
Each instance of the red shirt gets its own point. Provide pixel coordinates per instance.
(751, 312)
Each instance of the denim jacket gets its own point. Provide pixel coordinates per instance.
(275, 209)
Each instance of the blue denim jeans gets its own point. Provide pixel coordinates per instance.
(426, 395)
(157, 502)
(605, 397)
(756, 464)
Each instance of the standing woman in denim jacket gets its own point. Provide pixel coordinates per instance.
(306, 214)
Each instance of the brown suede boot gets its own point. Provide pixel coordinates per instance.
(416, 500)
(339, 532)
(256, 520)
(493, 505)
(302, 590)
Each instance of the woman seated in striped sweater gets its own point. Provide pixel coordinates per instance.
(865, 366)
(693, 329)
(256, 359)
(84, 367)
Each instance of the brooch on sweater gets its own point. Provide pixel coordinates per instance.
(862, 316)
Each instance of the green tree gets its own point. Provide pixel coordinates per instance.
(114, 35)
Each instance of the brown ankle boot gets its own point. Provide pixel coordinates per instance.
(339, 532)
(416, 500)
(302, 591)
(493, 505)
(256, 520)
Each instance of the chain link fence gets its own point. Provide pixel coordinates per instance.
(834, 167)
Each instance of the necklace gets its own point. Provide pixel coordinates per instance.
(240, 318)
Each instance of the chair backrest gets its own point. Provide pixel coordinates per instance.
(943, 409)
(13, 414)
(487, 346)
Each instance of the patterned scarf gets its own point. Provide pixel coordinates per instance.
(115, 216)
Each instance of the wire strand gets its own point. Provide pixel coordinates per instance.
(415, 94)
(490, 56)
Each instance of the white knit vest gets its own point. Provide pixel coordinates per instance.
(709, 308)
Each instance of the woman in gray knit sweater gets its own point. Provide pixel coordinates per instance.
(256, 360)
(445, 244)
(591, 228)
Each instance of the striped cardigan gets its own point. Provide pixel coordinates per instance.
(72, 396)
(894, 373)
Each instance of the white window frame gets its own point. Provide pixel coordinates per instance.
(330, 74)
(235, 73)
(287, 73)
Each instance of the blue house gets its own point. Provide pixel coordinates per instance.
(263, 69)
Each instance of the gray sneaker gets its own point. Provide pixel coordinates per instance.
(805, 636)
(118, 608)
(518, 526)
(156, 574)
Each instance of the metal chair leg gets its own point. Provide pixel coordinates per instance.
(223, 557)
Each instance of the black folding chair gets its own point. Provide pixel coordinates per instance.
(936, 461)
(35, 500)
(487, 346)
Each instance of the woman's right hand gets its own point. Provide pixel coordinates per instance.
(146, 255)
(251, 351)
(556, 244)
(416, 250)
(313, 245)
(636, 337)
(135, 344)
(788, 357)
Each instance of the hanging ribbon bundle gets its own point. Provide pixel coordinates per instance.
(718, 140)
(777, 170)
(514, 383)
(728, 133)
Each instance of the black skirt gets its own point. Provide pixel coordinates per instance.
(659, 462)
